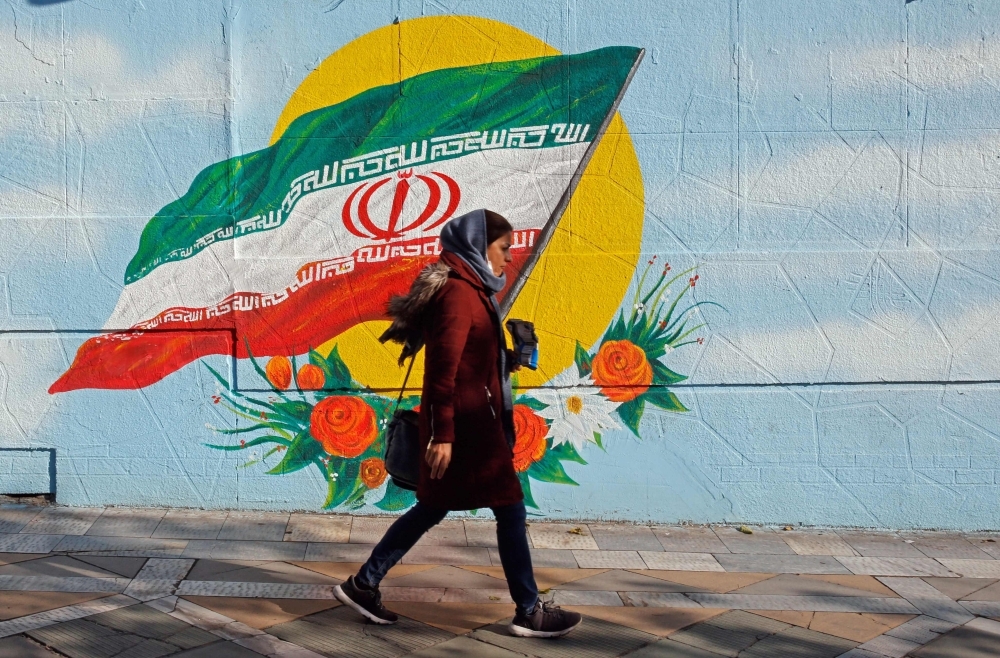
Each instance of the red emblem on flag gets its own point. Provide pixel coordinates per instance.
(441, 190)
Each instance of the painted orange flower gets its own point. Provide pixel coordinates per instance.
(530, 430)
(279, 372)
(373, 472)
(622, 370)
(311, 377)
(344, 425)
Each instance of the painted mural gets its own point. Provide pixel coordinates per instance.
(204, 205)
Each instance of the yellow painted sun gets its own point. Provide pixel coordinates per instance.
(580, 280)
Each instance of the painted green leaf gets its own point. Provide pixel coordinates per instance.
(529, 501)
(249, 444)
(396, 498)
(550, 469)
(566, 452)
(295, 409)
(531, 403)
(334, 369)
(664, 399)
(664, 376)
(583, 360)
(299, 455)
(631, 414)
(347, 471)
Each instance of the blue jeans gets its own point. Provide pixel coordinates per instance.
(512, 541)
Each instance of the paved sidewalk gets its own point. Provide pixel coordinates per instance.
(144, 583)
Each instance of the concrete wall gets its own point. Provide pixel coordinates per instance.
(832, 170)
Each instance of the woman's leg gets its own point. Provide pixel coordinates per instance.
(398, 539)
(512, 540)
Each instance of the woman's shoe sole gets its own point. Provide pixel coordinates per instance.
(521, 631)
(346, 600)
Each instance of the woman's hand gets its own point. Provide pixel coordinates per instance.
(438, 457)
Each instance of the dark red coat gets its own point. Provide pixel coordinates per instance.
(462, 400)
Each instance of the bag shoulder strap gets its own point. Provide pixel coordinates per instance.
(405, 380)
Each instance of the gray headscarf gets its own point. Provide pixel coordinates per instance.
(465, 237)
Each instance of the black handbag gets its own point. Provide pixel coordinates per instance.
(402, 443)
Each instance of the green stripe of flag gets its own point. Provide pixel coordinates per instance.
(579, 89)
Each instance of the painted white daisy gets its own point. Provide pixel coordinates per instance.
(576, 408)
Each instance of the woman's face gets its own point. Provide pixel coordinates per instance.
(498, 253)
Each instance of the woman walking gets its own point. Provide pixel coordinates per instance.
(466, 419)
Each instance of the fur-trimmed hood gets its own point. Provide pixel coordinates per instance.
(407, 310)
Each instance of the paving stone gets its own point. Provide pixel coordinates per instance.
(370, 529)
(413, 594)
(123, 546)
(22, 647)
(745, 622)
(973, 568)
(988, 593)
(657, 600)
(319, 528)
(561, 535)
(13, 518)
(793, 585)
(62, 584)
(254, 590)
(493, 595)
(888, 645)
(762, 542)
(963, 642)
(895, 566)
(879, 545)
(711, 581)
(811, 603)
(261, 526)
(464, 646)
(959, 588)
(219, 650)
(939, 545)
(59, 615)
(56, 565)
(445, 576)
(989, 544)
(858, 627)
(595, 638)
(927, 599)
(586, 597)
(481, 533)
(921, 629)
(190, 637)
(458, 555)
(799, 643)
(81, 638)
(63, 521)
(28, 543)
(817, 543)
(260, 572)
(341, 632)
(245, 550)
(459, 618)
(203, 618)
(126, 522)
(554, 558)
(624, 581)
(658, 621)
(14, 558)
(450, 532)
(316, 552)
(545, 577)
(608, 559)
(670, 649)
(22, 604)
(190, 524)
(982, 608)
(127, 567)
(268, 645)
(722, 641)
(140, 620)
(755, 563)
(689, 540)
(620, 537)
(676, 561)
(986, 625)
(261, 613)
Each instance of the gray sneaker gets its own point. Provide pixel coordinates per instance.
(545, 620)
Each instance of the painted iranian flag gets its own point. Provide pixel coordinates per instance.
(278, 251)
